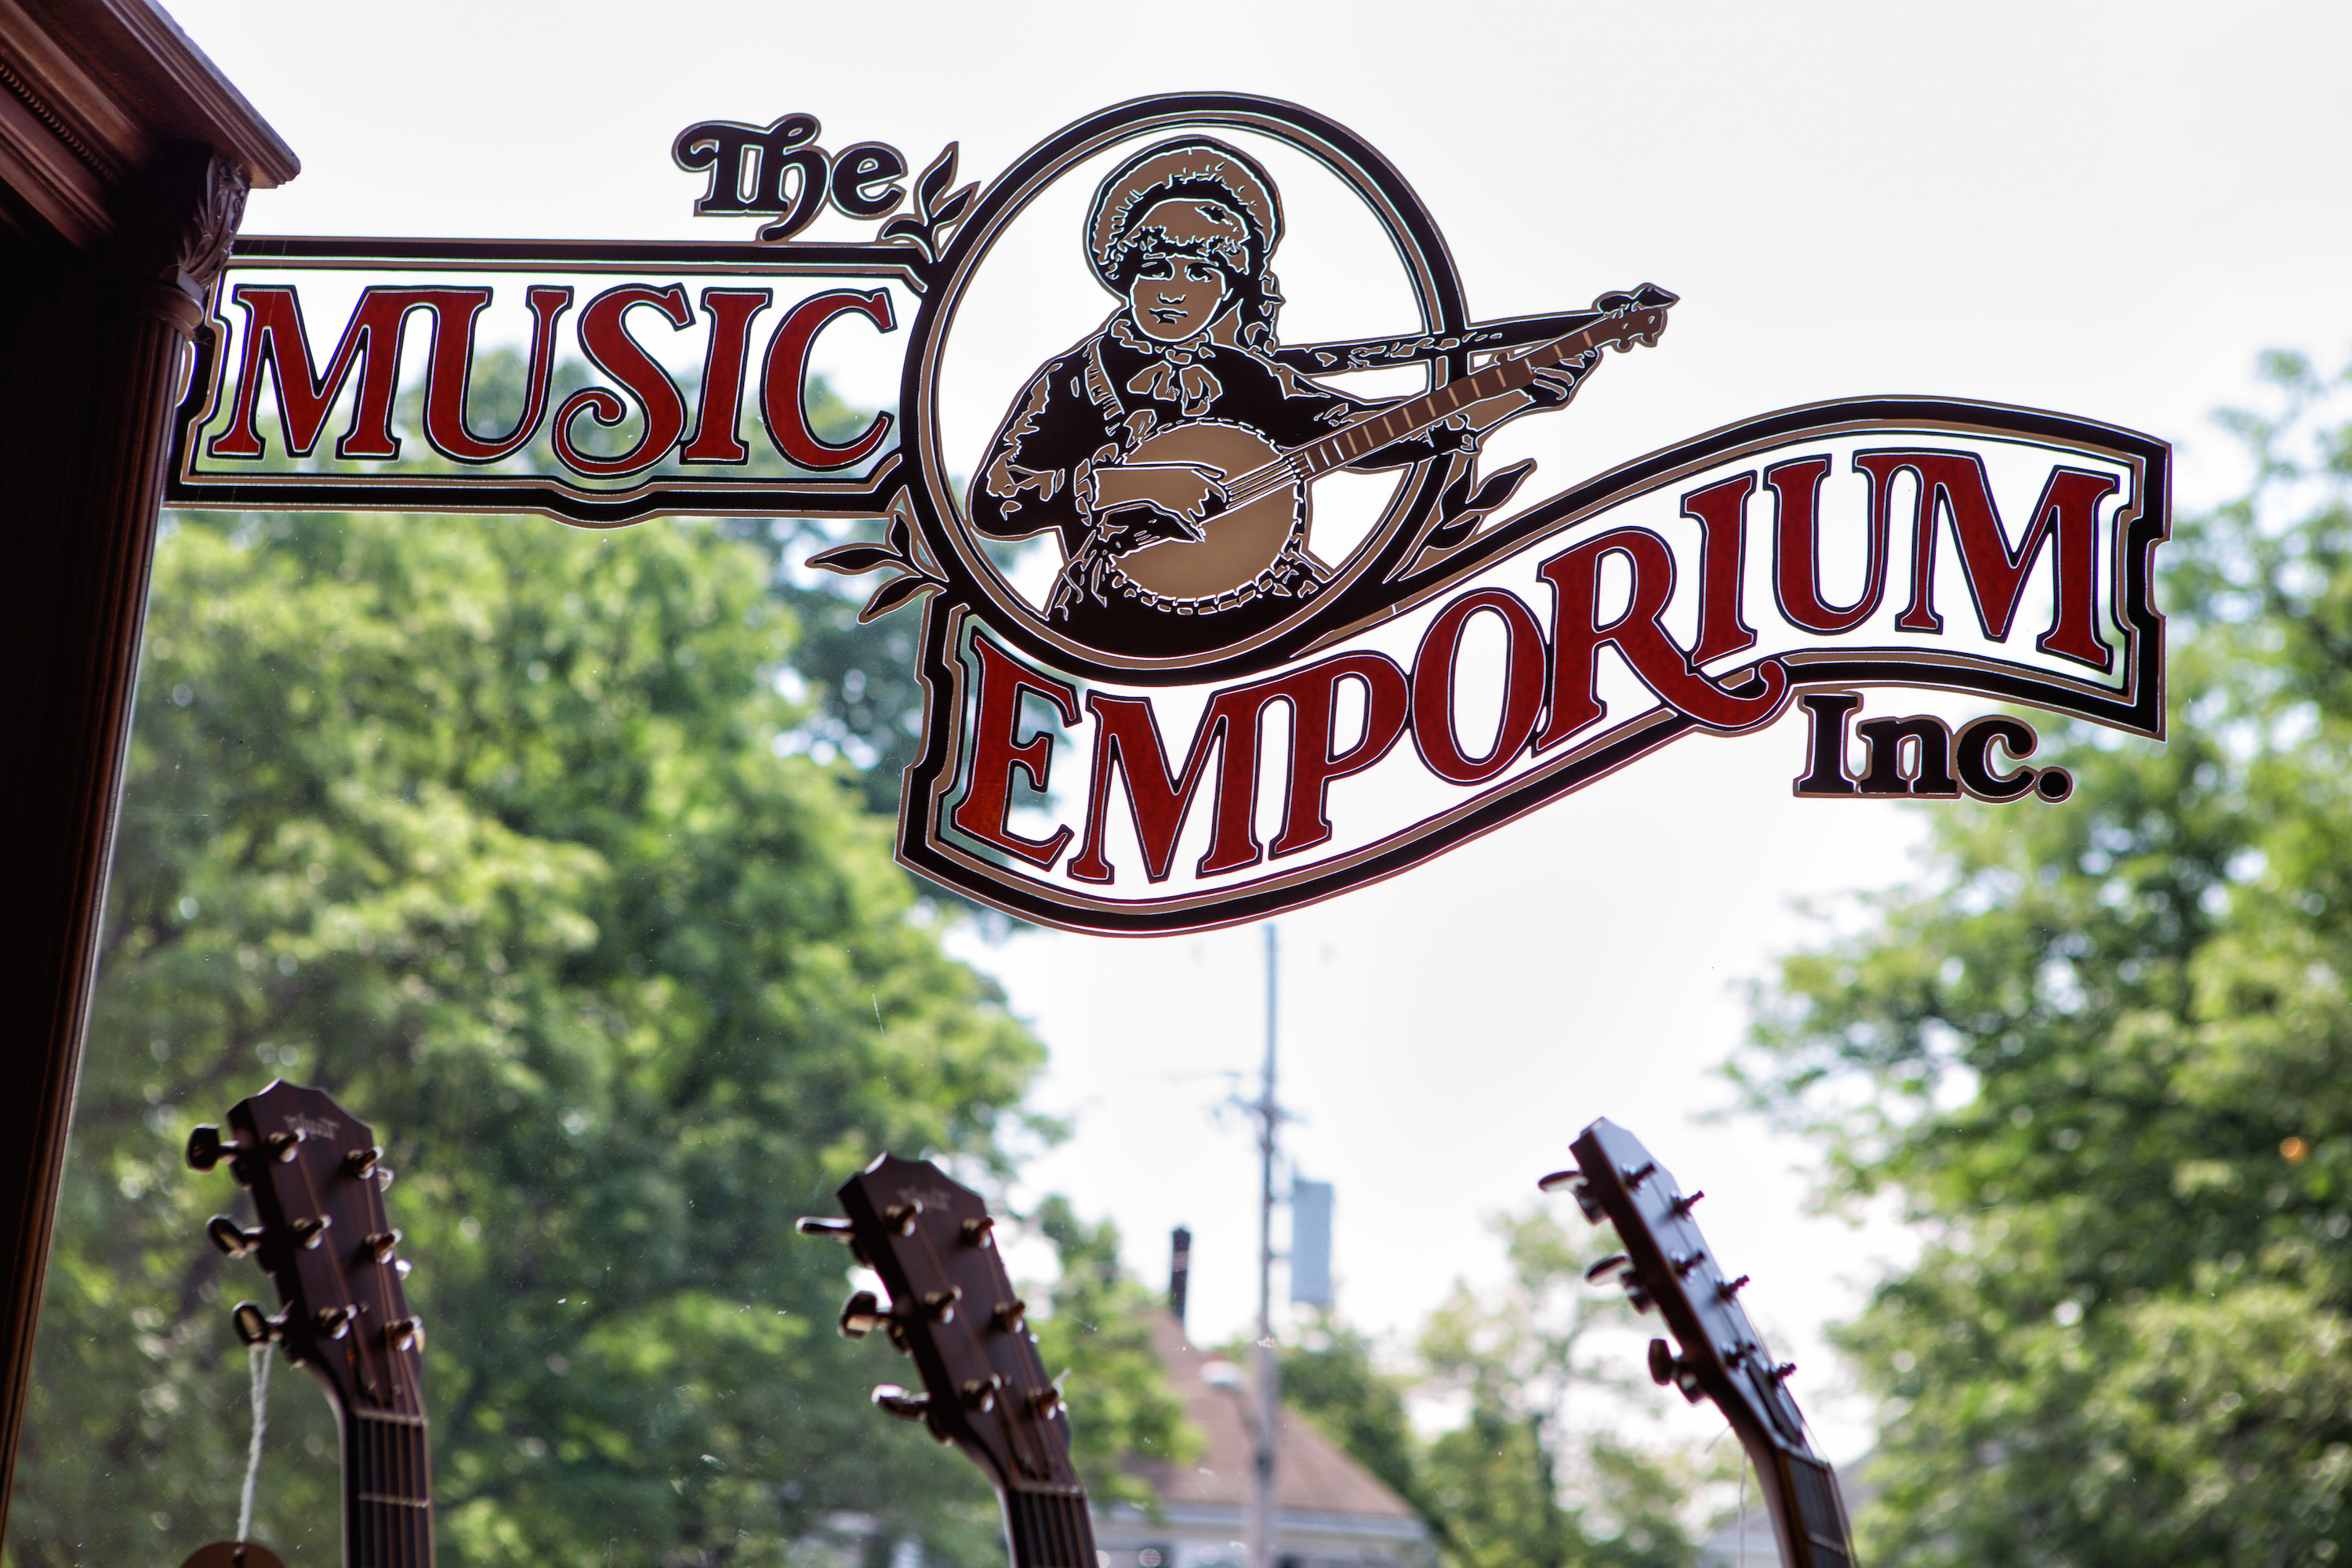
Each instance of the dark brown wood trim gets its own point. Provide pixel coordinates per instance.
(124, 162)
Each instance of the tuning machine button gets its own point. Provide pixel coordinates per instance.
(939, 1305)
(1577, 1188)
(309, 1230)
(862, 1314)
(979, 1393)
(823, 1225)
(230, 1236)
(254, 1327)
(896, 1401)
(205, 1149)
(1665, 1367)
(1606, 1267)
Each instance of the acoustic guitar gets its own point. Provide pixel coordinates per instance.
(1667, 1265)
(1265, 511)
(318, 1183)
(952, 1310)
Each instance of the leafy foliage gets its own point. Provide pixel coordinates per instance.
(1098, 1338)
(484, 827)
(2102, 1056)
(1514, 1483)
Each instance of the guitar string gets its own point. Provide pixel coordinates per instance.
(380, 1444)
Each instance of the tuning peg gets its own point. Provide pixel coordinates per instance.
(976, 1232)
(1665, 1367)
(823, 1225)
(405, 1333)
(897, 1332)
(1577, 1188)
(1731, 1287)
(1650, 294)
(362, 1162)
(979, 1393)
(307, 1231)
(896, 1401)
(283, 1145)
(231, 1237)
(1607, 1266)
(900, 1217)
(1008, 1315)
(254, 1327)
(1642, 1173)
(1047, 1401)
(939, 1305)
(1684, 1263)
(334, 1322)
(1682, 1205)
(1784, 1369)
(861, 1315)
(1635, 1293)
(205, 1149)
(379, 1245)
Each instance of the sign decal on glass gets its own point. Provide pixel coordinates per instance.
(1219, 618)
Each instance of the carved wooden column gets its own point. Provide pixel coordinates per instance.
(124, 164)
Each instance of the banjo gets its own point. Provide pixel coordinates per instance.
(1263, 517)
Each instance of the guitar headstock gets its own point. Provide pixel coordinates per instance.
(318, 1184)
(1631, 318)
(953, 1310)
(1668, 1264)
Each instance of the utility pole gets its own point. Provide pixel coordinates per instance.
(1266, 1375)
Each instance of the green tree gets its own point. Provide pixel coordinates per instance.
(484, 827)
(1095, 1338)
(2102, 1055)
(1514, 1483)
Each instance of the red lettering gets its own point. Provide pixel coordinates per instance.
(450, 370)
(605, 336)
(1721, 512)
(1579, 635)
(1797, 551)
(1127, 736)
(1953, 485)
(715, 437)
(785, 376)
(997, 750)
(275, 341)
(1313, 695)
(1432, 687)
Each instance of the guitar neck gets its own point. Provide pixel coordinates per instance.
(387, 1491)
(1365, 437)
(1049, 1529)
(1808, 1515)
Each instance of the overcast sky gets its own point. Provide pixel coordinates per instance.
(2104, 210)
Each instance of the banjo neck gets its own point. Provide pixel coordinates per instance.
(1639, 319)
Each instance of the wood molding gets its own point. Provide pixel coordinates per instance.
(125, 158)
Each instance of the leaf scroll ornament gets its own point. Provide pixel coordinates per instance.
(855, 560)
(935, 210)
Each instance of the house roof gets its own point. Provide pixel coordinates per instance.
(1312, 1474)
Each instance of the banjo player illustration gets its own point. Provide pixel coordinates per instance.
(1170, 451)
